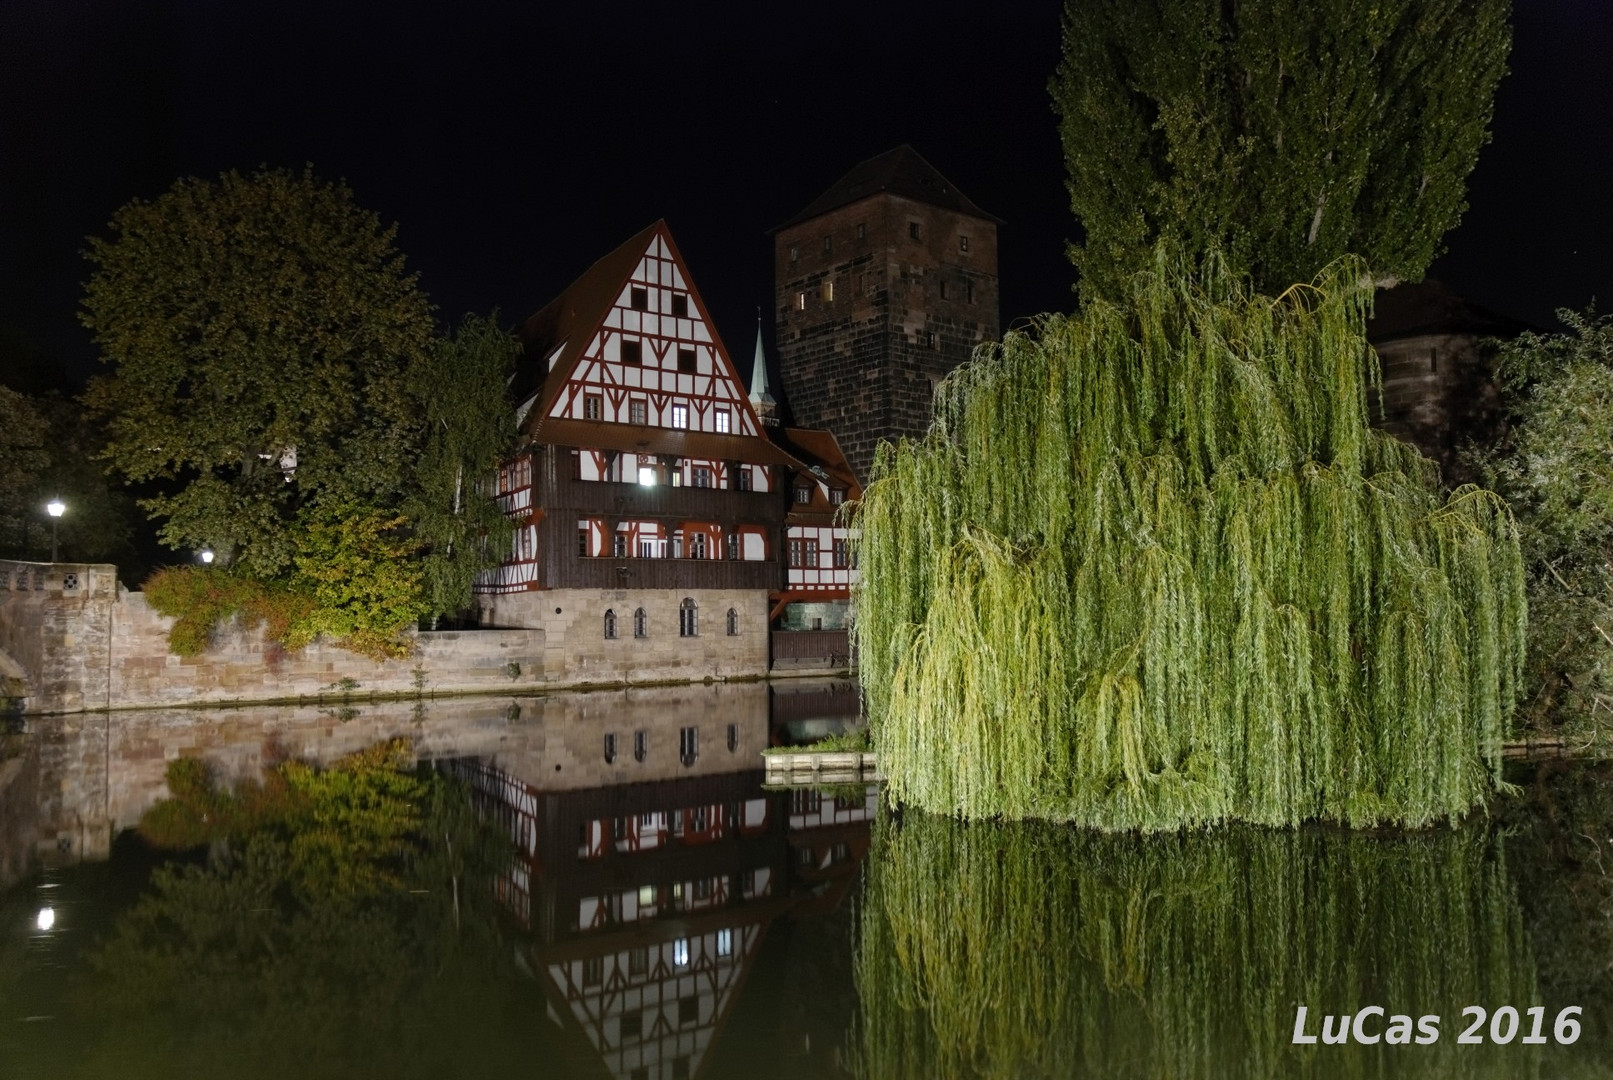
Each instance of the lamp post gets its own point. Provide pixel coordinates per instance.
(55, 508)
(206, 555)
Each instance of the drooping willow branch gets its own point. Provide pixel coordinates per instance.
(1151, 567)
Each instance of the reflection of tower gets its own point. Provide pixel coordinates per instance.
(885, 283)
(648, 902)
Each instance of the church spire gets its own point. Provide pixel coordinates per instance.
(766, 407)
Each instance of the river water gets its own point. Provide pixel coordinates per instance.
(616, 894)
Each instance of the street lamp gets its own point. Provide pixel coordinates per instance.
(55, 508)
(206, 555)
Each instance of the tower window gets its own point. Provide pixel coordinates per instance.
(632, 352)
(686, 361)
(593, 407)
(800, 301)
(680, 305)
(795, 254)
(969, 291)
(862, 231)
(963, 243)
(638, 411)
(828, 244)
(929, 339)
(639, 298)
(943, 290)
(914, 231)
(827, 290)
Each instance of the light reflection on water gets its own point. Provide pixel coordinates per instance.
(669, 917)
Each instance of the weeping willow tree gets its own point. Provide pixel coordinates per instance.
(1181, 956)
(1151, 567)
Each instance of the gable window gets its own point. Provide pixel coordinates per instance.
(593, 407)
(842, 554)
(638, 411)
(688, 745)
(701, 476)
(680, 416)
(639, 298)
(686, 361)
(687, 614)
(733, 631)
(610, 635)
(963, 243)
(721, 418)
(632, 351)
(641, 629)
(837, 496)
(914, 232)
(803, 495)
(680, 305)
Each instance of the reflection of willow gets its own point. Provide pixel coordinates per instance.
(1026, 950)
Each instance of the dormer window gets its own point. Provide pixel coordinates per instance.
(837, 496)
(803, 496)
(639, 298)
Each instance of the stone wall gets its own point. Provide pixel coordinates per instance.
(576, 650)
(1438, 394)
(19, 809)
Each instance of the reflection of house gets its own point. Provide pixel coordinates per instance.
(649, 499)
(1434, 350)
(648, 903)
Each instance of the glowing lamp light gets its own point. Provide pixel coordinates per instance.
(56, 508)
(46, 919)
(206, 555)
(646, 476)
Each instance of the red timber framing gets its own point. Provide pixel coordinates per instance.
(820, 551)
(646, 465)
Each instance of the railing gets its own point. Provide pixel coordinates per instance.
(830, 645)
(612, 499)
(606, 573)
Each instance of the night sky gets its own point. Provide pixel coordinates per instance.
(515, 143)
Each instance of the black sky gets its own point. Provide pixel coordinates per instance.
(514, 143)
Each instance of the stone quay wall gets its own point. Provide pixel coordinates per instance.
(76, 640)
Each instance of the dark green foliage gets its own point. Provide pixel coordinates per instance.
(1152, 568)
(1281, 134)
(246, 320)
(1553, 471)
(1031, 950)
(470, 426)
(23, 460)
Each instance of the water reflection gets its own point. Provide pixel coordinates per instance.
(1026, 951)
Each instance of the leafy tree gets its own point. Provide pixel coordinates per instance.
(469, 428)
(261, 331)
(355, 562)
(1553, 470)
(1283, 135)
(23, 458)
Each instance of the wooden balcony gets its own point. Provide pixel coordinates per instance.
(603, 573)
(660, 502)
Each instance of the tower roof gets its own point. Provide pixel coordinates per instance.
(758, 375)
(902, 171)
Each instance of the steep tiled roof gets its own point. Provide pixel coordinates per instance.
(1429, 307)
(902, 171)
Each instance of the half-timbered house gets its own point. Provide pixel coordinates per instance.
(649, 504)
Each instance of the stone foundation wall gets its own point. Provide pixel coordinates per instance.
(576, 649)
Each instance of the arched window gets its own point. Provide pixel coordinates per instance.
(610, 748)
(641, 624)
(610, 625)
(733, 623)
(686, 618)
(688, 745)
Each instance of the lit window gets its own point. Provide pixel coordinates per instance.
(646, 895)
(632, 352)
(639, 298)
(721, 419)
(827, 291)
(680, 416)
(638, 411)
(725, 942)
(800, 301)
(593, 407)
(646, 475)
(680, 952)
(914, 232)
(686, 361)
(963, 243)
(680, 305)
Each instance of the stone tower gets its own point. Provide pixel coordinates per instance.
(886, 282)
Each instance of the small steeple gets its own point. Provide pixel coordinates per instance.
(761, 400)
